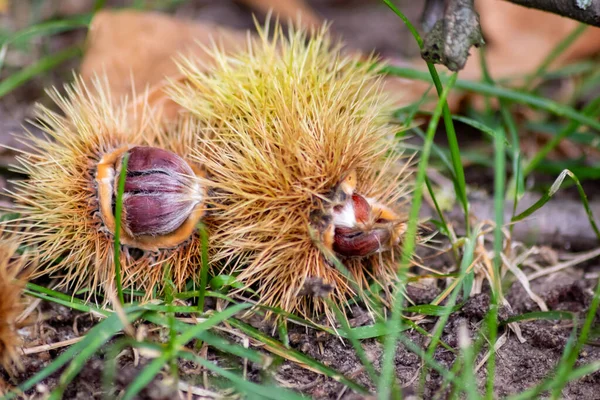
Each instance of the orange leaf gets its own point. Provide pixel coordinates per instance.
(138, 51)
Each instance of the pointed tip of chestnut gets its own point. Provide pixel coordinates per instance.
(362, 208)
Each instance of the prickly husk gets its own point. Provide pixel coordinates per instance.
(58, 203)
(11, 303)
(287, 120)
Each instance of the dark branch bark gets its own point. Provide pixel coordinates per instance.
(452, 28)
(586, 11)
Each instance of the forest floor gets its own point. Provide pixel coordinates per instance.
(521, 361)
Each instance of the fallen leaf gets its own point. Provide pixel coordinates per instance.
(137, 50)
(288, 10)
(519, 39)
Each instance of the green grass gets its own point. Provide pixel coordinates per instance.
(205, 267)
(118, 213)
(385, 382)
(41, 66)
(501, 135)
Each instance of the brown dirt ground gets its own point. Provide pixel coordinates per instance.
(367, 25)
(519, 365)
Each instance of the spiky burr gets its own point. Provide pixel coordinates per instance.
(67, 203)
(302, 165)
(11, 303)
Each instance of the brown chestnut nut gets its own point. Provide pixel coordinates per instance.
(162, 201)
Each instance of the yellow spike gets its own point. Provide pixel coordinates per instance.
(11, 304)
(61, 216)
(292, 121)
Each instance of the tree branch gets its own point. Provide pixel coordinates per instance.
(586, 11)
(452, 26)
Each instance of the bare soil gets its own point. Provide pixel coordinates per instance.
(519, 365)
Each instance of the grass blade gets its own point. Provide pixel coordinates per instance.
(501, 93)
(93, 342)
(96, 336)
(118, 213)
(548, 195)
(264, 391)
(445, 311)
(146, 375)
(395, 322)
(278, 348)
(213, 340)
(554, 54)
(50, 28)
(42, 65)
(591, 109)
(459, 175)
(204, 270)
(492, 317)
(192, 331)
(360, 352)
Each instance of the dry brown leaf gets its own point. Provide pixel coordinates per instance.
(288, 10)
(519, 38)
(136, 50)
